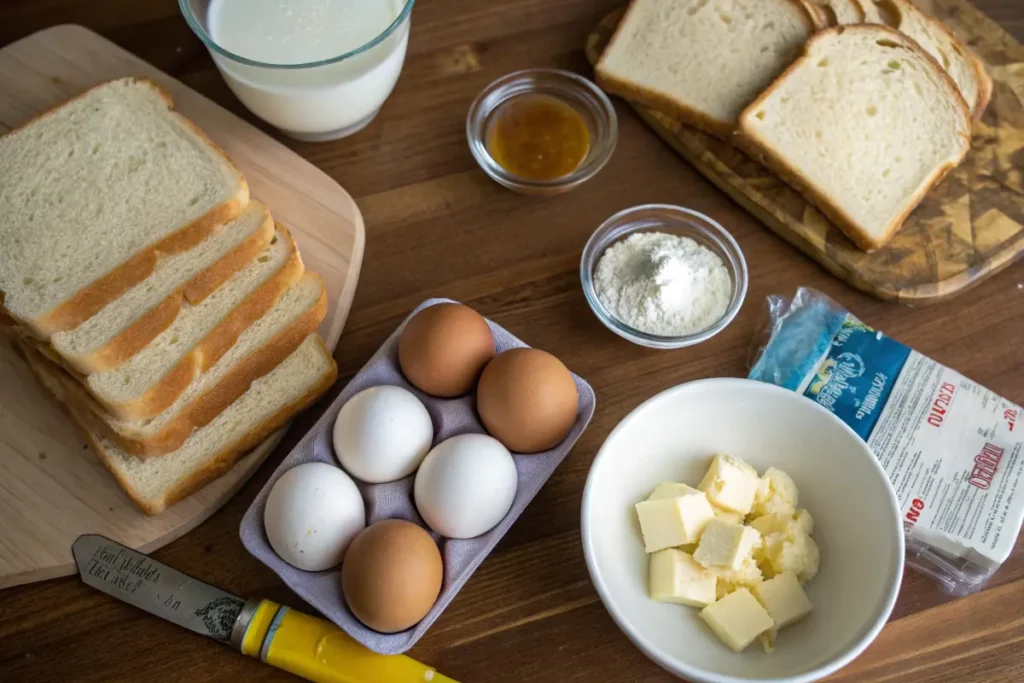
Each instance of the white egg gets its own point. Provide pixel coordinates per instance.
(382, 434)
(466, 485)
(313, 512)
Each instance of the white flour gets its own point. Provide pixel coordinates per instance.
(661, 284)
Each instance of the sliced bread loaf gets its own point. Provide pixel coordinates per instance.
(126, 325)
(966, 68)
(151, 380)
(258, 350)
(702, 61)
(93, 190)
(154, 484)
(864, 155)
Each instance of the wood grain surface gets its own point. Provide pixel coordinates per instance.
(437, 226)
(968, 227)
(50, 491)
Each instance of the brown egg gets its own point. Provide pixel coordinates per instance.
(443, 349)
(392, 575)
(527, 400)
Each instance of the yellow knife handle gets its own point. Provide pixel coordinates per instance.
(319, 651)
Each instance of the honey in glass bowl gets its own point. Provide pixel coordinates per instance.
(538, 137)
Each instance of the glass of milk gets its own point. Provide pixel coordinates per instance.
(316, 69)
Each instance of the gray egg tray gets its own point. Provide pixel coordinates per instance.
(393, 500)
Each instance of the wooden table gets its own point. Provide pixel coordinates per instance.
(437, 226)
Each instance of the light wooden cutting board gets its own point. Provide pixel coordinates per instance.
(52, 488)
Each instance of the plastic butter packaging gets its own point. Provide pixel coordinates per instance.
(952, 448)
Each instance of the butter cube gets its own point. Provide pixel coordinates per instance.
(783, 599)
(728, 515)
(786, 547)
(671, 489)
(725, 544)
(671, 522)
(776, 494)
(805, 521)
(731, 483)
(676, 577)
(737, 619)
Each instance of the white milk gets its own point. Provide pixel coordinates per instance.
(321, 102)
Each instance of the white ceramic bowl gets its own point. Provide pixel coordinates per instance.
(857, 526)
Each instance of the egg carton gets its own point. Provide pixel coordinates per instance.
(394, 500)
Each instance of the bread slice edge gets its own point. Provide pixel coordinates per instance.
(214, 400)
(147, 327)
(216, 466)
(165, 391)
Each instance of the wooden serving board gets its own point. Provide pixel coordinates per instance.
(967, 228)
(52, 488)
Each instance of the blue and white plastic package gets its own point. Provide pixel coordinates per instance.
(952, 448)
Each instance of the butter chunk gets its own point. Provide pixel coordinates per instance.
(777, 494)
(725, 544)
(731, 484)
(747, 575)
(737, 619)
(676, 577)
(786, 547)
(805, 521)
(671, 489)
(672, 522)
(783, 599)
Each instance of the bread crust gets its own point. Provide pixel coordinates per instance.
(759, 150)
(215, 344)
(90, 299)
(817, 14)
(984, 84)
(664, 102)
(206, 407)
(217, 465)
(983, 80)
(146, 328)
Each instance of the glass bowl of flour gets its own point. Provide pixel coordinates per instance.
(663, 276)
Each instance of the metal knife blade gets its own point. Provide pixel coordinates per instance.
(138, 580)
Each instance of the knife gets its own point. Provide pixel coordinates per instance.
(306, 646)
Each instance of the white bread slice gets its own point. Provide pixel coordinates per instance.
(151, 380)
(126, 325)
(863, 125)
(829, 13)
(963, 65)
(702, 61)
(258, 350)
(154, 484)
(94, 192)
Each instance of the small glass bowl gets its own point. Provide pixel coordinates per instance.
(674, 220)
(584, 96)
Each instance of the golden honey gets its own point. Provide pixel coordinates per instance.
(538, 137)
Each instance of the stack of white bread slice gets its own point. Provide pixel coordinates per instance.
(167, 312)
(861, 105)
